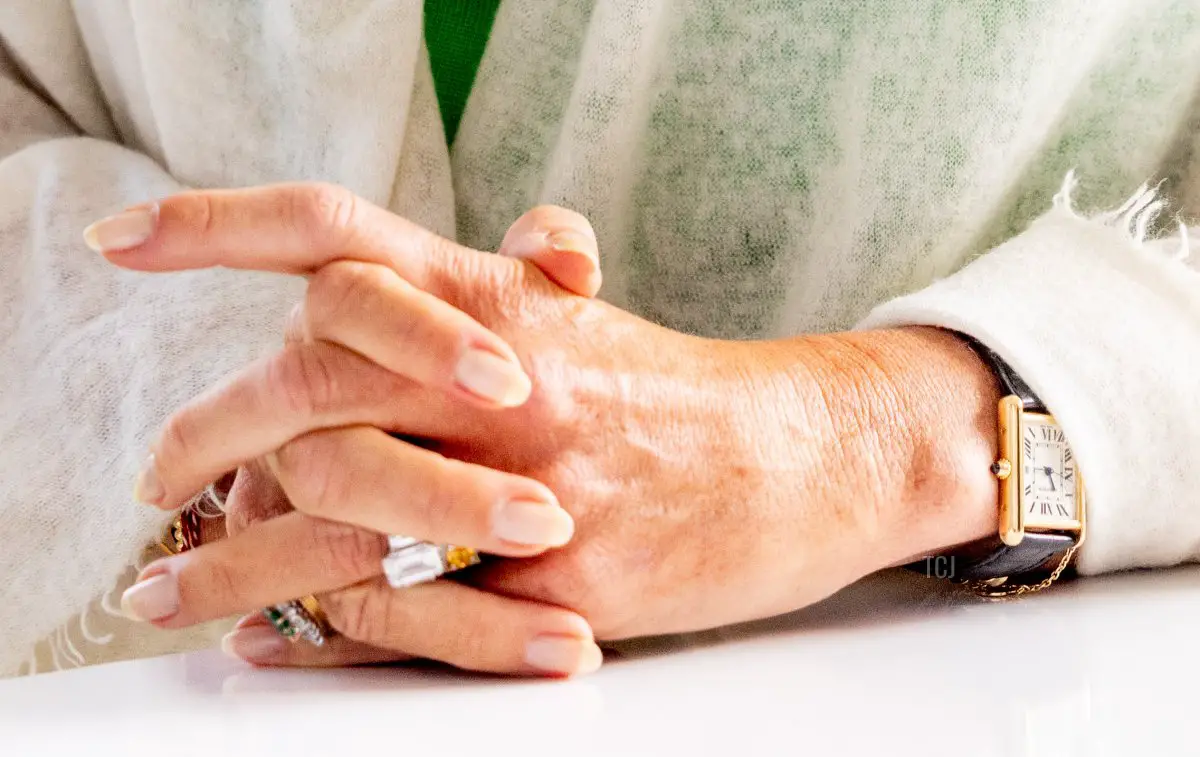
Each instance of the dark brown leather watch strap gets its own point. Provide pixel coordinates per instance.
(994, 559)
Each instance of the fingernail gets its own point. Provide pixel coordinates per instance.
(493, 378)
(260, 644)
(123, 230)
(148, 489)
(527, 521)
(155, 598)
(252, 620)
(569, 240)
(527, 245)
(563, 654)
(560, 240)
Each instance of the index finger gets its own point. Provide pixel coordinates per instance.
(293, 228)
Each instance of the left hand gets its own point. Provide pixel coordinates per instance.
(710, 482)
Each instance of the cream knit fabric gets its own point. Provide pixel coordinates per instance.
(753, 169)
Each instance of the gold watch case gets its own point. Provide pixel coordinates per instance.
(1009, 470)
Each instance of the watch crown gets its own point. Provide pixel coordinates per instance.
(1001, 469)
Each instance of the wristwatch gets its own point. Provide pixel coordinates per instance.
(1043, 503)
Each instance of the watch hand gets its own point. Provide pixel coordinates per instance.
(1050, 477)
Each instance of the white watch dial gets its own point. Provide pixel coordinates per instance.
(1049, 479)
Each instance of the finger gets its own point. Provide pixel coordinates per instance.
(562, 243)
(270, 562)
(299, 389)
(363, 476)
(289, 228)
(255, 496)
(465, 627)
(368, 308)
(256, 641)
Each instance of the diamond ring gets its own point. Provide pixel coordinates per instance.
(300, 619)
(411, 561)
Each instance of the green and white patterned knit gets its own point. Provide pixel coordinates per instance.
(762, 167)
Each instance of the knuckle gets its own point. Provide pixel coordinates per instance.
(302, 379)
(348, 552)
(449, 485)
(214, 585)
(313, 467)
(323, 208)
(475, 274)
(205, 213)
(344, 287)
(197, 212)
(360, 614)
(506, 299)
(179, 440)
(469, 642)
(227, 582)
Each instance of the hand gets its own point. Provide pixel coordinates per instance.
(710, 482)
(559, 242)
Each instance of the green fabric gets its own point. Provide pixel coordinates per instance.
(456, 33)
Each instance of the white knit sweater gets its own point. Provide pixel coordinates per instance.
(753, 169)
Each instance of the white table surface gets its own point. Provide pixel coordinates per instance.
(1100, 667)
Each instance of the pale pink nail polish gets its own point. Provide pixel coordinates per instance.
(154, 598)
(124, 230)
(569, 240)
(532, 522)
(560, 240)
(257, 644)
(493, 378)
(564, 655)
(149, 487)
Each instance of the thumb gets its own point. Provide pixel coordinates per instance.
(561, 243)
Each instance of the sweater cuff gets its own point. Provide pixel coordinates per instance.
(1106, 330)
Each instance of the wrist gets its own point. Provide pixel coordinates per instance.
(919, 409)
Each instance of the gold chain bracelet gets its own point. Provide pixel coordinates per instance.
(987, 590)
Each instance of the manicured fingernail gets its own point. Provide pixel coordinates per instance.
(252, 620)
(493, 378)
(155, 598)
(259, 644)
(527, 521)
(122, 231)
(563, 654)
(562, 240)
(149, 488)
(569, 240)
